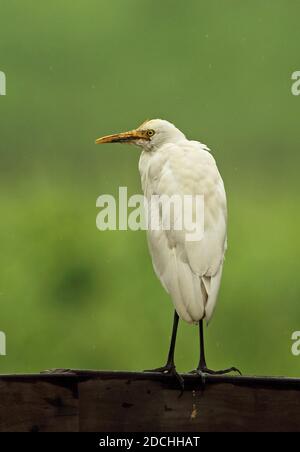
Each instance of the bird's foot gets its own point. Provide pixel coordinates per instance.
(205, 371)
(169, 369)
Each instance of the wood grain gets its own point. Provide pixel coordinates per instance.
(91, 401)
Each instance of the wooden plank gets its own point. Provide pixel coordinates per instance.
(93, 401)
(31, 404)
(134, 403)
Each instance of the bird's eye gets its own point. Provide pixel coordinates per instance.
(150, 133)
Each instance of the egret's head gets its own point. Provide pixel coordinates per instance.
(150, 135)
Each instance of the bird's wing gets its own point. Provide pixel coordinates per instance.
(189, 271)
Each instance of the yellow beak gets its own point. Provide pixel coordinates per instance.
(124, 137)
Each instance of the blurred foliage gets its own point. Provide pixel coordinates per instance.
(71, 296)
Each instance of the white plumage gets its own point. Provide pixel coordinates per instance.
(170, 164)
(189, 271)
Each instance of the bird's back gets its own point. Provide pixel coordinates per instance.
(190, 271)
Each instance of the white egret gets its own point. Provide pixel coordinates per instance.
(190, 271)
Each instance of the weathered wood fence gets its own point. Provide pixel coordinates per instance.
(93, 401)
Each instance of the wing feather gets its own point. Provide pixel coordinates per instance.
(189, 271)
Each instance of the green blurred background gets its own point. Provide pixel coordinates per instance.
(71, 296)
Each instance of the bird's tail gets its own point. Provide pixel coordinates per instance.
(194, 297)
(188, 293)
(212, 287)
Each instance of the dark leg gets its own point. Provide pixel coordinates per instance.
(170, 368)
(202, 362)
(202, 368)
